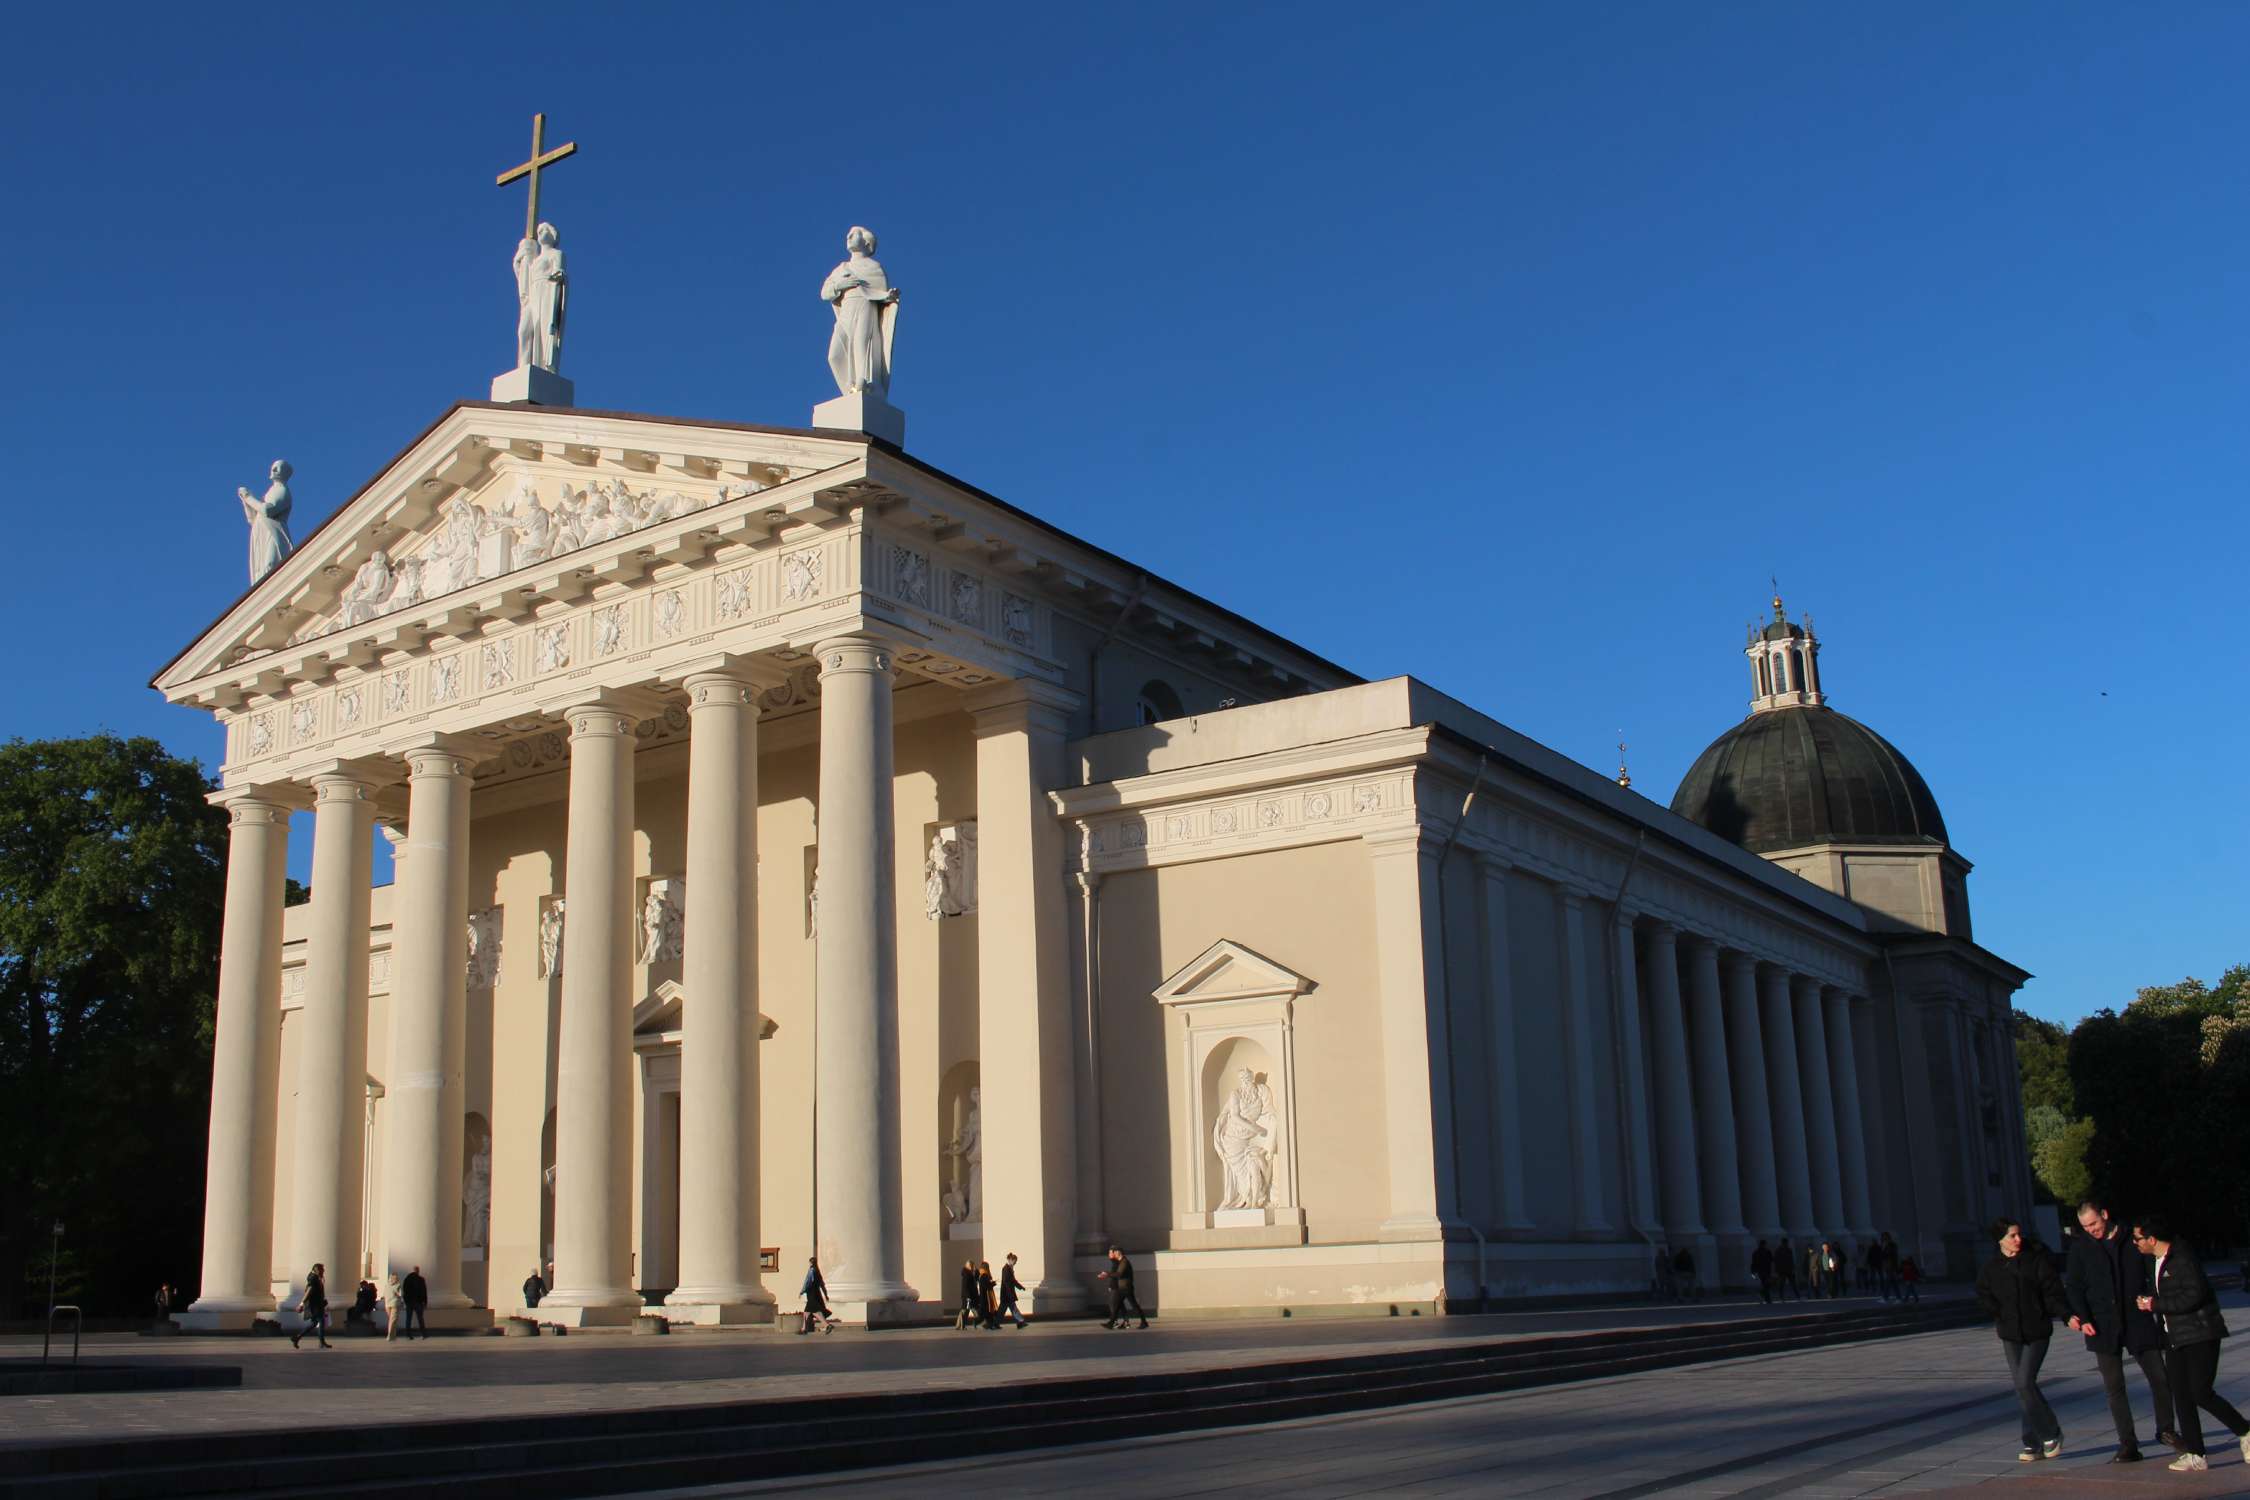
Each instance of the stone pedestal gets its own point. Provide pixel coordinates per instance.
(533, 386)
(866, 412)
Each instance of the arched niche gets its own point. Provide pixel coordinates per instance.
(1232, 1009)
(959, 1135)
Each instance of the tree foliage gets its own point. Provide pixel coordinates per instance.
(2043, 1057)
(112, 883)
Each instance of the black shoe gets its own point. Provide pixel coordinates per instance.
(1144, 1322)
(2170, 1439)
(2126, 1456)
(293, 1341)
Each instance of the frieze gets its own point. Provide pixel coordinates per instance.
(1227, 824)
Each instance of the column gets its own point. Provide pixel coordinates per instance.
(1788, 1103)
(1092, 1239)
(719, 1085)
(1753, 1115)
(1632, 1075)
(1023, 989)
(1675, 1108)
(1717, 1162)
(1588, 1215)
(245, 1070)
(594, 1046)
(421, 1220)
(1820, 1104)
(1851, 1129)
(1502, 1069)
(1410, 978)
(855, 990)
(332, 1055)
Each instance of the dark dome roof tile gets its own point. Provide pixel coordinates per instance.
(1789, 777)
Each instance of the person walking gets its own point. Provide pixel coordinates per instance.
(967, 1317)
(1891, 1267)
(815, 1292)
(416, 1291)
(1909, 1281)
(2022, 1294)
(2187, 1312)
(394, 1307)
(1010, 1290)
(313, 1307)
(1120, 1279)
(988, 1298)
(534, 1287)
(164, 1304)
(1832, 1259)
(1816, 1266)
(2104, 1282)
(1761, 1271)
(1785, 1270)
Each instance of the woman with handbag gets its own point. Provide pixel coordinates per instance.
(313, 1307)
(2187, 1311)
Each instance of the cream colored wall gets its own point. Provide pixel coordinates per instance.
(1306, 908)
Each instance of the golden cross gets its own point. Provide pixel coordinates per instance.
(531, 169)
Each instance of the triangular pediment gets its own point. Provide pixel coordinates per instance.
(662, 1013)
(1228, 971)
(494, 497)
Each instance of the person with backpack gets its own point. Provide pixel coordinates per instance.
(815, 1290)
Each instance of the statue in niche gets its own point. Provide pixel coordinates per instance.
(476, 1185)
(1243, 1137)
(269, 521)
(551, 940)
(484, 948)
(964, 1201)
(859, 351)
(662, 921)
(941, 877)
(541, 298)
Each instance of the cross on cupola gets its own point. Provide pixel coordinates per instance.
(1784, 663)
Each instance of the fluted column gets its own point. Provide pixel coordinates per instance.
(1820, 1104)
(245, 1070)
(1788, 1102)
(1675, 1107)
(332, 1051)
(1410, 1001)
(593, 1087)
(855, 988)
(1632, 1075)
(1717, 1162)
(719, 1084)
(1753, 1112)
(1504, 1062)
(421, 1221)
(1589, 1216)
(1851, 1128)
(1023, 988)
(1086, 1041)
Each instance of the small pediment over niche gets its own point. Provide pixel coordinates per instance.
(659, 1016)
(1228, 971)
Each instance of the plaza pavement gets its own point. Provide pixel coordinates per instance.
(1930, 1414)
(1925, 1413)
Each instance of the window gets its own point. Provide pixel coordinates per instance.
(1158, 702)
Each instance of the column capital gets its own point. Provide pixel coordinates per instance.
(1804, 986)
(877, 655)
(724, 687)
(1735, 961)
(1021, 703)
(259, 804)
(446, 755)
(1412, 839)
(634, 702)
(1661, 931)
(348, 780)
(1493, 865)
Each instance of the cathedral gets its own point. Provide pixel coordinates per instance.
(800, 851)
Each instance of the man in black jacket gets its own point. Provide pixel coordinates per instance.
(2106, 1276)
(1120, 1279)
(1010, 1290)
(415, 1292)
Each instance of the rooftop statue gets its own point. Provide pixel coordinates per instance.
(542, 292)
(269, 522)
(859, 351)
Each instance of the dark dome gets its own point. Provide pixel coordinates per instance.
(1788, 777)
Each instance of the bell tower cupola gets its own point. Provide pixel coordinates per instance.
(1784, 663)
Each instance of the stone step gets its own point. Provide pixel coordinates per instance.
(706, 1444)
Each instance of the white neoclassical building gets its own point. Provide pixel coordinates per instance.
(799, 850)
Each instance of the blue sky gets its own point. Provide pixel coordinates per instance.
(1512, 346)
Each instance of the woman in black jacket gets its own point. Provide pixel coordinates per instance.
(2021, 1291)
(2188, 1311)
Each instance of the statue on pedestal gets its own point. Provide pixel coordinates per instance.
(541, 298)
(965, 1202)
(269, 521)
(859, 351)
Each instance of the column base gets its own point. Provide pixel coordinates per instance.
(223, 1315)
(1730, 1259)
(578, 1316)
(457, 1317)
(718, 1314)
(889, 1312)
(1057, 1296)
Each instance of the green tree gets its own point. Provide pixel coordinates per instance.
(2060, 1162)
(2043, 1061)
(112, 882)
